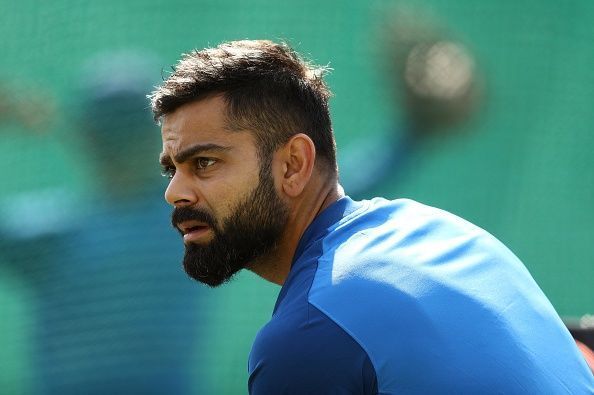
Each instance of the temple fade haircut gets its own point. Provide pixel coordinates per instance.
(269, 90)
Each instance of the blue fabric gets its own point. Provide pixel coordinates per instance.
(394, 297)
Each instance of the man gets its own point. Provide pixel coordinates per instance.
(377, 296)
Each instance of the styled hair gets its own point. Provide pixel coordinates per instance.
(268, 88)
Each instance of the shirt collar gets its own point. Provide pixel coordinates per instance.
(319, 227)
(324, 221)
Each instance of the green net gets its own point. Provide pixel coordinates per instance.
(92, 294)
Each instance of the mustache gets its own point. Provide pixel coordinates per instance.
(181, 214)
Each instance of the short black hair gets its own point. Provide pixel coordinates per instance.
(269, 89)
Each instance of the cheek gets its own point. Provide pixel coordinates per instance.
(223, 192)
(222, 197)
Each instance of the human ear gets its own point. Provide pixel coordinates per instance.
(297, 159)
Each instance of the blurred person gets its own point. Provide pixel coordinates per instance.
(377, 296)
(436, 87)
(114, 315)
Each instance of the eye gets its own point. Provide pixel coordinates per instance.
(168, 171)
(203, 162)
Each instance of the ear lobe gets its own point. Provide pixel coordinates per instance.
(299, 155)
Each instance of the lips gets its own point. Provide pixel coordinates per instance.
(190, 226)
(193, 230)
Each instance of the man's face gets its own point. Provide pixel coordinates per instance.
(226, 205)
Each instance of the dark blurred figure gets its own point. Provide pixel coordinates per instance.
(582, 330)
(116, 314)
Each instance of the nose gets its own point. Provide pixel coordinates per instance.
(181, 191)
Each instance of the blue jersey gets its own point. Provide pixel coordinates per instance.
(394, 297)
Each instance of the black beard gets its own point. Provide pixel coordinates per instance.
(251, 231)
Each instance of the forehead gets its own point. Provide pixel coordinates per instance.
(201, 122)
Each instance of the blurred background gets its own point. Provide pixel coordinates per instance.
(482, 109)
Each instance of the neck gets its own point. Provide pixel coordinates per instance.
(275, 267)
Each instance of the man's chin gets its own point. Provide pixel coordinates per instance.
(209, 271)
(210, 280)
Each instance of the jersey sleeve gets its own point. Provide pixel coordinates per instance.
(315, 357)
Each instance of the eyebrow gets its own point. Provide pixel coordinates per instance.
(189, 152)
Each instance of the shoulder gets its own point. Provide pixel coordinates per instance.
(420, 289)
(404, 221)
(39, 214)
(306, 352)
(410, 234)
(43, 219)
